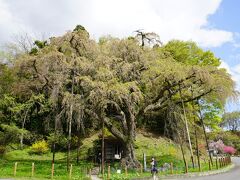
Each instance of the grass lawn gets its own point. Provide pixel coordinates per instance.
(42, 170)
(43, 165)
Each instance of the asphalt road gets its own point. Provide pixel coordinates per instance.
(233, 174)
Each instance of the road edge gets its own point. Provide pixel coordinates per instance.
(195, 174)
(199, 174)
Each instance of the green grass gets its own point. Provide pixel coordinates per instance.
(42, 165)
(163, 149)
(26, 154)
(42, 170)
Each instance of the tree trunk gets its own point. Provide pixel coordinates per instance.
(195, 129)
(69, 137)
(127, 139)
(70, 123)
(205, 134)
(129, 158)
(197, 149)
(53, 152)
(187, 129)
(78, 148)
(80, 130)
(23, 125)
(102, 152)
(183, 154)
(57, 117)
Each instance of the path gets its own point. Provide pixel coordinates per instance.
(94, 177)
(233, 174)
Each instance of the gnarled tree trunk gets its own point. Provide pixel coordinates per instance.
(129, 158)
(127, 138)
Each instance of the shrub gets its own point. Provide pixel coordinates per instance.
(218, 145)
(40, 147)
(229, 150)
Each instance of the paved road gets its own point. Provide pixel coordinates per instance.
(233, 174)
(94, 177)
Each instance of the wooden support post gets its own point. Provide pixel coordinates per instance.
(90, 173)
(186, 171)
(15, 169)
(144, 162)
(126, 171)
(109, 172)
(52, 174)
(216, 163)
(200, 166)
(220, 162)
(70, 172)
(209, 165)
(141, 168)
(33, 167)
(171, 167)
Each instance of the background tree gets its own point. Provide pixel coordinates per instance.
(231, 121)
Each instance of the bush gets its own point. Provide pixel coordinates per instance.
(229, 138)
(229, 150)
(40, 147)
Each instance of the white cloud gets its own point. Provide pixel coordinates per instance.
(233, 104)
(171, 19)
(234, 72)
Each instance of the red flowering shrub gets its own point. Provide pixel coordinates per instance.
(229, 150)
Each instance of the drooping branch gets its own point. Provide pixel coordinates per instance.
(171, 85)
(121, 117)
(108, 124)
(163, 104)
(40, 76)
(113, 129)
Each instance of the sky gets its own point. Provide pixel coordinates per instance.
(213, 24)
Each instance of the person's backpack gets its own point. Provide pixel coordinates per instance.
(155, 163)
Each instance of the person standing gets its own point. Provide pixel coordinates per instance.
(154, 170)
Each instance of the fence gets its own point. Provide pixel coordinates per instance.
(84, 171)
(44, 170)
(166, 169)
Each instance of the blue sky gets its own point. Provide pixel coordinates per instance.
(226, 17)
(212, 24)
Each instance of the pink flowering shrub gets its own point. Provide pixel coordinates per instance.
(218, 145)
(229, 150)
